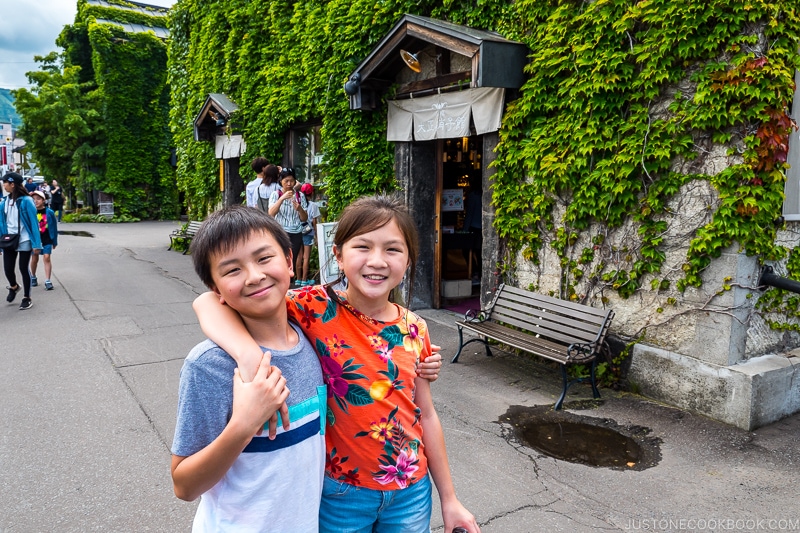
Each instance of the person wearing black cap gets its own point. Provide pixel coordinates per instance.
(18, 217)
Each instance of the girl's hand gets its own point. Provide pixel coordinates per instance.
(430, 367)
(256, 402)
(456, 515)
(286, 195)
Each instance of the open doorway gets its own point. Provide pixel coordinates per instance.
(460, 217)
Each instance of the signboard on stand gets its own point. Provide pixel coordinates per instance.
(328, 268)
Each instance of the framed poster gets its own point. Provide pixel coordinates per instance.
(452, 200)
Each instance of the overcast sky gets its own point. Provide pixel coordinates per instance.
(30, 28)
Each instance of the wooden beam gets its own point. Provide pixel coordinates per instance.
(446, 41)
(389, 48)
(431, 83)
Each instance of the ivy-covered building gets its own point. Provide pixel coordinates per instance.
(631, 156)
(98, 116)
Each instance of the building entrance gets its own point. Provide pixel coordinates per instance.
(460, 220)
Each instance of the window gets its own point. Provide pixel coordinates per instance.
(306, 153)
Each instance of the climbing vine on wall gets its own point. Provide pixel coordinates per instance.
(283, 63)
(621, 99)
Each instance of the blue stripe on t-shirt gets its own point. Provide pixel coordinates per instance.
(283, 440)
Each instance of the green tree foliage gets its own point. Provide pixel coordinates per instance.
(60, 119)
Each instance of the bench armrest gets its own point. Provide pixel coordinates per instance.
(580, 352)
(474, 315)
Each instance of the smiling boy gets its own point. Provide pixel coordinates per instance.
(246, 482)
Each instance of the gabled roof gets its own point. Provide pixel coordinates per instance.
(213, 117)
(146, 9)
(161, 33)
(495, 60)
(138, 7)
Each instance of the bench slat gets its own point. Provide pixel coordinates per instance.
(547, 319)
(519, 340)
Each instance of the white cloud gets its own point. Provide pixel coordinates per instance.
(30, 28)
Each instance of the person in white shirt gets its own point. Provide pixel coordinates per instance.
(259, 166)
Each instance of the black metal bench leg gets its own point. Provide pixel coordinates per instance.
(460, 345)
(595, 392)
(560, 401)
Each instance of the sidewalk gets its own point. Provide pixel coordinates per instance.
(89, 391)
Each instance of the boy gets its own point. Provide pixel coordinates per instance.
(48, 229)
(250, 483)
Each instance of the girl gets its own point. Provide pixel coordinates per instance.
(48, 232)
(289, 209)
(18, 217)
(384, 434)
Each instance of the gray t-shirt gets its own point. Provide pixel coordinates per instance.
(274, 485)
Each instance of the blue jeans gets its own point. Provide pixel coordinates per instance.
(351, 509)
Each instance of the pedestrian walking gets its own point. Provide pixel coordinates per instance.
(48, 230)
(20, 237)
(57, 200)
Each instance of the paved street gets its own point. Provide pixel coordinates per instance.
(89, 389)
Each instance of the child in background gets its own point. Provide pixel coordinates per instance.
(48, 230)
(383, 434)
(247, 482)
(304, 259)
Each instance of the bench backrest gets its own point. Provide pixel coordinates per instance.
(193, 226)
(557, 320)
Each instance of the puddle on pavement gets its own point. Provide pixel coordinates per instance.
(76, 233)
(582, 439)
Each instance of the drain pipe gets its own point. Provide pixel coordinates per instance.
(768, 278)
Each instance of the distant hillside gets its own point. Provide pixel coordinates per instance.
(7, 110)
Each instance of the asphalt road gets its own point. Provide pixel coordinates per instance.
(89, 389)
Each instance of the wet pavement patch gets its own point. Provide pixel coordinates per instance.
(77, 233)
(583, 439)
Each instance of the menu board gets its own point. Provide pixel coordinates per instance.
(452, 200)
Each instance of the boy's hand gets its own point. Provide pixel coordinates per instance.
(255, 402)
(429, 368)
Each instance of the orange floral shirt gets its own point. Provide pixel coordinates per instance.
(374, 435)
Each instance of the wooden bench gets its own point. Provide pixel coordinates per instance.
(562, 331)
(184, 235)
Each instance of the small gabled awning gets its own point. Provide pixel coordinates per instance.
(444, 78)
(214, 117)
(450, 58)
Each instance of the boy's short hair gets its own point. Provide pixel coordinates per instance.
(228, 228)
(258, 164)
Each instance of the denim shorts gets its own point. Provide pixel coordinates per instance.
(308, 239)
(345, 507)
(47, 249)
